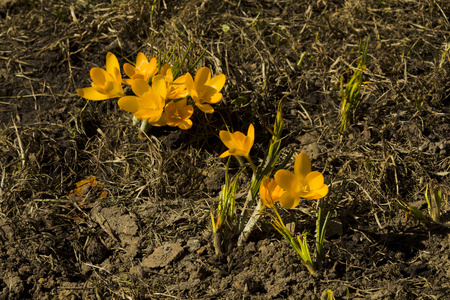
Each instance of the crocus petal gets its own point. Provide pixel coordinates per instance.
(141, 59)
(239, 139)
(185, 124)
(270, 192)
(227, 138)
(215, 98)
(322, 191)
(264, 192)
(206, 108)
(314, 180)
(188, 81)
(100, 76)
(153, 115)
(181, 104)
(127, 81)
(129, 104)
(316, 194)
(152, 66)
(129, 70)
(111, 63)
(170, 109)
(285, 179)
(217, 82)
(203, 76)
(161, 122)
(186, 112)
(159, 86)
(289, 200)
(225, 154)
(91, 94)
(302, 166)
(140, 87)
(251, 132)
(165, 69)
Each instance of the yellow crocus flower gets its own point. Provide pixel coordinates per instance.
(106, 84)
(270, 192)
(301, 184)
(204, 90)
(176, 89)
(149, 102)
(143, 69)
(237, 142)
(177, 114)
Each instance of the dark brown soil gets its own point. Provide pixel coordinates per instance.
(144, 231)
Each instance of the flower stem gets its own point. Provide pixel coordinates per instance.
(252, 165)
(145, 126)
(245, 233)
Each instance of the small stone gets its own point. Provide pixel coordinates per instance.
(162, 256)
(193, 244)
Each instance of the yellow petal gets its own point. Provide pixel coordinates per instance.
(227, 138)
(140, 87)
(181, 103)
(129, 70)
(127, 81)
(170, 109)
(100, 77)
(206, 108)
(161, 122)
(152, 65)
(314, 180)
(264, 192)
(316, 194)
(285, 179)
(288, 200)
(251, 132)
(270, 192)
(188, 81)
(159, 86)
(322, 191)
(215, 98)
(141, 59)
(186, 112)
(203, 76)
(129, 104)
(185, 124)
(166, 71)
(225, 154)
(153, 115)
(302, 166)
(207, 93)
(218, 82)
(91, 94)
(111, 63)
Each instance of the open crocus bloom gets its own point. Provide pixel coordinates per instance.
(178, 113)
(106, 84)
(237, 142)
(176, 89)
(143, 70)
(301, 184)
(150, 100)
(204, 90)
(270, 192)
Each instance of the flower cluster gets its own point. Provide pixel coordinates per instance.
(287, 188)
(159, 98)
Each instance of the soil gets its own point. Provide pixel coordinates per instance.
(139, 227)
